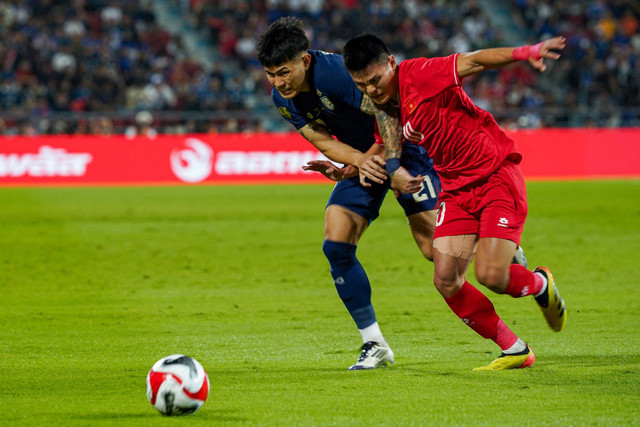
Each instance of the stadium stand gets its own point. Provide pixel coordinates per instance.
(92, 66)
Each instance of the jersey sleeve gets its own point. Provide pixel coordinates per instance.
(288, 111)
(431, 76)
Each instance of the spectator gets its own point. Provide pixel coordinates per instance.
(101, 56)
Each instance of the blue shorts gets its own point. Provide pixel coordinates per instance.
(366, 201)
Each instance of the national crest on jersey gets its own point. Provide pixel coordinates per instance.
(333, 101)
(410, 105)
(325, 101)
(284, 112)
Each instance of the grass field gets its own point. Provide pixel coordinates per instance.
(99, 283)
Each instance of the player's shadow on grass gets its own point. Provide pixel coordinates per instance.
(333, 369)
(212, 415)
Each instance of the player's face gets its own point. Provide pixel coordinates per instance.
(290, 78)
(378, 80)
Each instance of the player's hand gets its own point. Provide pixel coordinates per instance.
(326, 168)
(403, 182)
(371, 167)
(547, 48)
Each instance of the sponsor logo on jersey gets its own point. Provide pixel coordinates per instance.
(503, 222)
(284, 112)
(411, 134)
(48, 161)
(193, 163)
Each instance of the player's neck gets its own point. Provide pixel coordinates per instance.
(306, 86)
(396, 86)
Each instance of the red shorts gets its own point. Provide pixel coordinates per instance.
(493, 207)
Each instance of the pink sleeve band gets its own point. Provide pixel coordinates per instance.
(523, 53)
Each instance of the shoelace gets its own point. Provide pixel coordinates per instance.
(366, 347)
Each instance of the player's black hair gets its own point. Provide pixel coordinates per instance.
(283, 40)
(363, 50)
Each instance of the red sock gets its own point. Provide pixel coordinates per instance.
(475, 309)
(523, 282)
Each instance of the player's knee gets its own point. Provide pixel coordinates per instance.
(494, 278)
(338, 252)
(447, 285)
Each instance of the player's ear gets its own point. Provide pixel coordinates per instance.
(392, 62)
(306, 60)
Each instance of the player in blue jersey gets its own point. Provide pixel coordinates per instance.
(313, 91)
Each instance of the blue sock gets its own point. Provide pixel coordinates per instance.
(351, 281)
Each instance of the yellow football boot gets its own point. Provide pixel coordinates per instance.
(524, 359)
(551, 303)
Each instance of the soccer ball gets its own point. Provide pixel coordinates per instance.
(177, 385)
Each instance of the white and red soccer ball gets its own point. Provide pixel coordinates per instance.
(177, 385)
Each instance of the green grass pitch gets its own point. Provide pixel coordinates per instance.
(99, 283)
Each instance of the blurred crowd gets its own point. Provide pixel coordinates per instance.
(112, 64)
(98, 57)
(600, 68)
(596, 83)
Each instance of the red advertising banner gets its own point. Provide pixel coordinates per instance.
(275, 158)
(579, 153)
(166, 159)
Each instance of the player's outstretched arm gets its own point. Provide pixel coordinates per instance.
(487, 59)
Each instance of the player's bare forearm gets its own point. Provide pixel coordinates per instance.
(474, 62)
(368, 165)
(389, 126)
(333, 149)
(487, 59)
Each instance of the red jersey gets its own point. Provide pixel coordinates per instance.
(464, 141)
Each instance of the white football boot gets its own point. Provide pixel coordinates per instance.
(373, 355)
(519, 257)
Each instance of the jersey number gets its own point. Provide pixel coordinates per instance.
(426, 190)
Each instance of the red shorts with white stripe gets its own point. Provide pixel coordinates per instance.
(493, 207)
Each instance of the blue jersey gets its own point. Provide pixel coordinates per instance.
(333, 101)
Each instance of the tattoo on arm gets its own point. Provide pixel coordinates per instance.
(313, 127)
(390, 130)
(367, 106)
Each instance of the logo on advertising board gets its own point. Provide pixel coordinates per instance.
(264, 162)
(47, 162)
(193, 163)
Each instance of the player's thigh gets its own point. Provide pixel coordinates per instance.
(422, 226)
(351, 208)
(504, 204)
(452, 256)
(343, 225)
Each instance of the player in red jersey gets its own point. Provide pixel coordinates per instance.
(483, 204)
